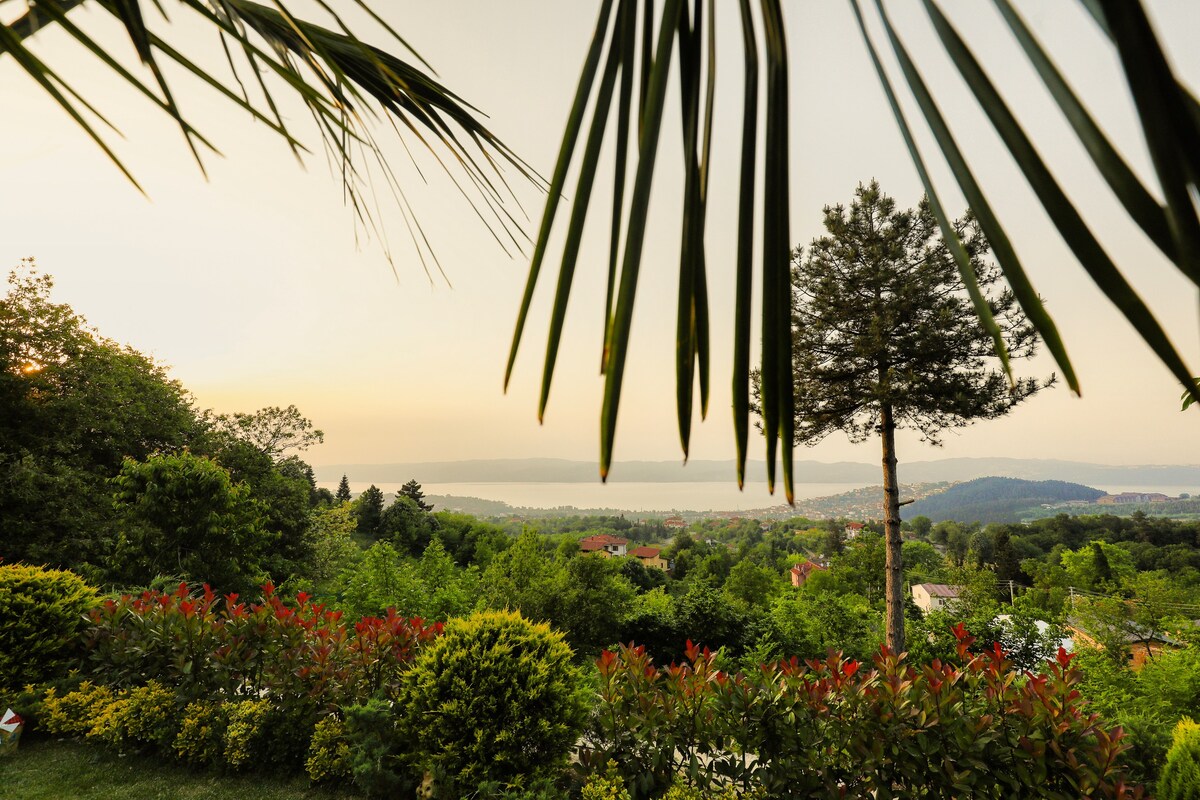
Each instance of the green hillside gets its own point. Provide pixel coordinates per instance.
(996, 499)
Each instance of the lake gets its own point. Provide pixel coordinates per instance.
(627, 496)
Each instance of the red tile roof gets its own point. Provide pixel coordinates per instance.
(645, 552)
(604, 539)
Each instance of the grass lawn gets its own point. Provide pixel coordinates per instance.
(45, 769)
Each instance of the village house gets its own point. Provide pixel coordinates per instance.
(934, 596)
(1138, 645)
(803, 571)
(605, 545)
(651, 557)
(853, 529)
(674, 522)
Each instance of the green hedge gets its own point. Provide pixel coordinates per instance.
(43, 613)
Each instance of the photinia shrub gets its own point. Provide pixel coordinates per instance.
(298, 653)
(839, 728)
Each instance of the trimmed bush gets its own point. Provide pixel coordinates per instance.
(495, 698)
(1180, 779)
(43, 613)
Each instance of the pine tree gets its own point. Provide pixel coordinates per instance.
(412, 490)
(885, 336)
(343, 491)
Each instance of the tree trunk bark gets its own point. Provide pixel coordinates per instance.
(894, 586)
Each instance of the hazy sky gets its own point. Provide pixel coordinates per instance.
(252, 288)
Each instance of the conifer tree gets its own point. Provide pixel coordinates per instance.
(412, 490)
(343, 490)
(885, 337)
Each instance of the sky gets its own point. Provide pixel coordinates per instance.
(258, 288)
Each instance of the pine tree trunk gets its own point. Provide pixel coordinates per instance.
(894, 587)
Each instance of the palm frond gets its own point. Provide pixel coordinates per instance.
(343, 81)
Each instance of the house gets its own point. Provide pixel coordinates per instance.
(651, 557)
(802, 572)
(1139, 645)
(674, 522)
(853, 529)
(605, 545)
(934, 596)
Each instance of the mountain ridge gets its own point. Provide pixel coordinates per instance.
(558, 470)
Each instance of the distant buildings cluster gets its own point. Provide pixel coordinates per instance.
(616, 547)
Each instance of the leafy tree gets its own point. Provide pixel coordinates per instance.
(73, 405)
(369, 510)
(751, 584)
(884, 336)
(920, 525)
(382, 579)
(590, 601)
(412, 490)
(343, 491)
(404, 524)
(330, 543)
(922, 562)
(272, 431)
(183, 516)
(522, 578)
(1099, 566)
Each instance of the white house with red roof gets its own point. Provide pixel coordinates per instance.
(605, 545)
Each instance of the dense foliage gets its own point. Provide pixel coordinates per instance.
(836, 728)
(42, 615)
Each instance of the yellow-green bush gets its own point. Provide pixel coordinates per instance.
(681, 791)
(495, 698)
(243, 729)
(144, 715)
(201, 737)
(1180, 779)
(76, 713)
(609, 786)
(329, 752)
(42, 615)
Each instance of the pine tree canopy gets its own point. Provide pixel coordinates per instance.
(880, 316)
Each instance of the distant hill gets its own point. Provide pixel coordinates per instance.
(554, 470)
(996, 499)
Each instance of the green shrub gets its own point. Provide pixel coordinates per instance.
(42, 616)
(496, 698)
(379, 756)
(1180, 779)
